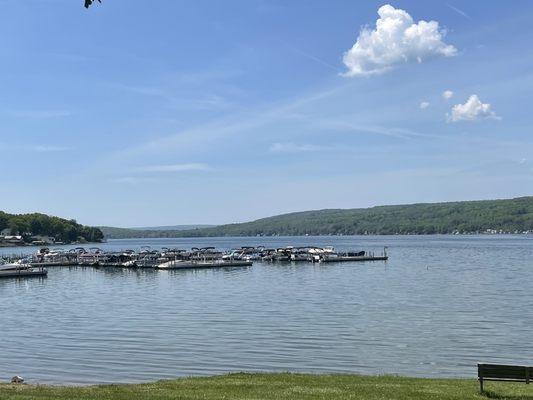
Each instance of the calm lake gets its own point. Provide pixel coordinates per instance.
(436, 308)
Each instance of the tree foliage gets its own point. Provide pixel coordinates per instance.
(88, 3)
(60, 229)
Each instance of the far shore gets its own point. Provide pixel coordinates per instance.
(106, 240)
(81, 244)
(282, 386)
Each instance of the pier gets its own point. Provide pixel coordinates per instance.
(24, 273)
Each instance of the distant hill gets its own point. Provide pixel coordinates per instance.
(148, 232)
(172, 227)
(493, 216)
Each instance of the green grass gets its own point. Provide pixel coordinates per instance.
(279, 387)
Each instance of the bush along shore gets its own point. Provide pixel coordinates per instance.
(279, 387)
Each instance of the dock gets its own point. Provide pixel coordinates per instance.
(354, 258)
(24, 273)
(195, 258)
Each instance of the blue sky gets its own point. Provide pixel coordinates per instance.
(162, 112)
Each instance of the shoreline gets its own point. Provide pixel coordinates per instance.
(519, 234)
(107, 240)
(277, 386)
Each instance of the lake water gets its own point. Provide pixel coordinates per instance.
(436, 308)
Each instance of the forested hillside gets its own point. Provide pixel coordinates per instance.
(62, 230)
(509, 216)
(149, 232)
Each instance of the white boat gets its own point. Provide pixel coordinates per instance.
(176, 264)
(20, 270)
(129, 264)
(16, 266)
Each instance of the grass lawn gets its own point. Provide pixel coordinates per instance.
(278, 386)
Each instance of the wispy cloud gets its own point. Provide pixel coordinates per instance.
(313, 58)
(347, 125)
(447, 94)
(133, 180)
(227, 125)
(204, 101)
(36, 148)
(290, 147)
(499, 167)
(40, 114)
(458, 11)
(173, 168)
(130, 180)
(144, 90)
(153, 173)
(49, 149)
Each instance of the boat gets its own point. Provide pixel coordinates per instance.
(16, 266)
(176, 264)
(186, 264)
(130, 264)
(20, 270)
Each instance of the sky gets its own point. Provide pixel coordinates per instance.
(140, 113)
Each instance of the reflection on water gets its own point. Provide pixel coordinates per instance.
(440, 305)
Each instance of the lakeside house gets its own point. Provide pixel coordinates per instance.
(6, 239)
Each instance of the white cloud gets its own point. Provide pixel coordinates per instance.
(296, 148)
(447, 94)
(424, 105)
(472, 110)
(395, 40)
(174, 168)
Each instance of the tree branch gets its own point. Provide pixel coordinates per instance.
(89, 2)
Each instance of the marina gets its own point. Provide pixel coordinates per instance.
(176, 258)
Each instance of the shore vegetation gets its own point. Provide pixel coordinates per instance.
(279, 387)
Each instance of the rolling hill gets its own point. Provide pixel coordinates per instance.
(493, 216)
(148, 232)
